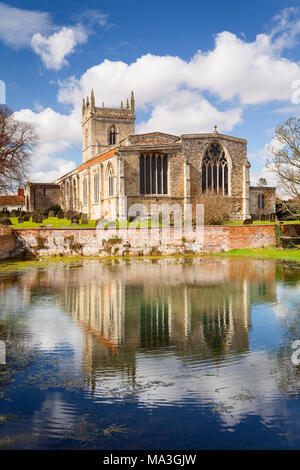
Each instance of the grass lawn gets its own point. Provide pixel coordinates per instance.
(61, 223)
(262, 222)
(266, 253)
(54, 221)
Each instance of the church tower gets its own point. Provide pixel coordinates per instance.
(103, 128)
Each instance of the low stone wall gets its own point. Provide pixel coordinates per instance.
(7, 243)
(143, 242)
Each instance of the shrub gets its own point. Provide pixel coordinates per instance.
(26, 218)
(20, 220)
(60, 214)
(217, 208)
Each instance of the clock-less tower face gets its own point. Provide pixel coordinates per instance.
(103, 128)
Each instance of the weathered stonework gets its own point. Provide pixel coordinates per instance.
(111, 177)
(41, 196)
(130, 242)
(7, 243)
(259, 208)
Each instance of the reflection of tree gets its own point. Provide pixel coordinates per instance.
(288, 312)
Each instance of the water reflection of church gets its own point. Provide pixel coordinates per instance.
(205, 314)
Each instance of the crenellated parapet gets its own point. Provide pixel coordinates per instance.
(104, 127)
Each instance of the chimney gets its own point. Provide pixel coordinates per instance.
(21, 191)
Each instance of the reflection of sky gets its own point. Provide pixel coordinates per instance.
(236, 386)
(52, 331)
(265, 332)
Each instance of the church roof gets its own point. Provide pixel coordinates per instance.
(99, 158)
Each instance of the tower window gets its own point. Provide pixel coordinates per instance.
(112, 136)
(215, 170)
(153, 174)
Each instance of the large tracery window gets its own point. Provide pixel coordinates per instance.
(153, 174)
(215, 170)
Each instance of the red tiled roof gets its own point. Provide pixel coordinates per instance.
(104, 156)
(12, 200)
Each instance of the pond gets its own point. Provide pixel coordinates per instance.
(149, 354)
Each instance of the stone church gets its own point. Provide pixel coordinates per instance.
(120, 168)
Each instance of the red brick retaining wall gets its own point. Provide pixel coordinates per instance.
(57, 241)
(7, 243)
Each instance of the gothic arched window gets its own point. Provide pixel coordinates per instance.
(261, 201)
(112, 136)
(153, 174)
(96, 186)
(84, 190)
(215, 170)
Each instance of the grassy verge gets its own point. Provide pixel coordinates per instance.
(266, 253)
(262, 222)
(53, 221)
(61, 223)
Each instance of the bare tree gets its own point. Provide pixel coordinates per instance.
(17, 139)
(286, 157)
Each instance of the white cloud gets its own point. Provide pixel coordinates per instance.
(286, 27)
(21, 28)
(250, 73)
(214, 87)
(17, 26)
(54, 48)
(57, 133)
(188, 112)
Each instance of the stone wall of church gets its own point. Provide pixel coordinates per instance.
(269, 204)
(194, 147)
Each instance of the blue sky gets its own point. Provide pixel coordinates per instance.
(191, 64)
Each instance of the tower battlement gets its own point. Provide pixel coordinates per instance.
(103, 127)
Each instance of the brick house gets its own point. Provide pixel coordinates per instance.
(13, 202)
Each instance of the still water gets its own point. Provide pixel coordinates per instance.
(144, 354)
